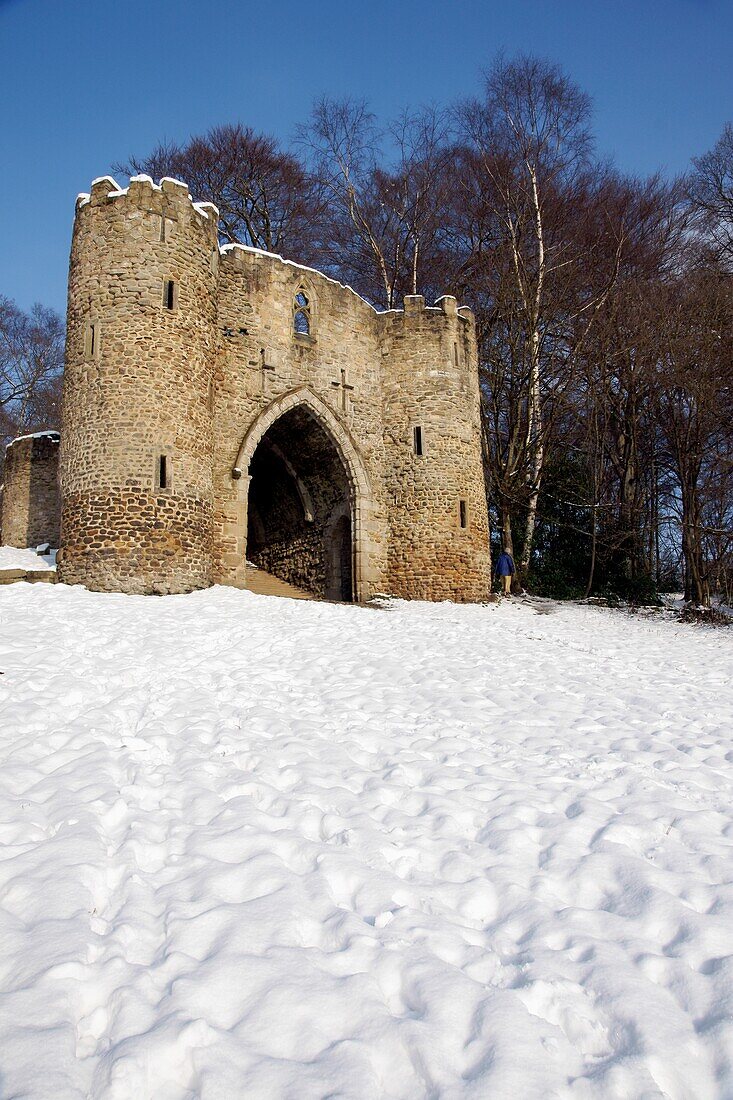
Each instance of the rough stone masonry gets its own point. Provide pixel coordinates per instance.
(222, 404)
(31, 505)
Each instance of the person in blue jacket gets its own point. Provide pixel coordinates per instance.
(505, 569)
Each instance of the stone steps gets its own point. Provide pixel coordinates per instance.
(32, 576)
(258, 581)
(265, 584)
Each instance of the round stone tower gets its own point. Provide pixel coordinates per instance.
(136, 450)
(439, 529)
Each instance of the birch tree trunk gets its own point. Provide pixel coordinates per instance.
(535, 428)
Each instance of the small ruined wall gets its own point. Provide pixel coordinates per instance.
(31, 504)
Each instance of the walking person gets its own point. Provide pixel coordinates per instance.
(506, 569)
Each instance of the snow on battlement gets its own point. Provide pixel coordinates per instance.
(143, 192)
(55, 436)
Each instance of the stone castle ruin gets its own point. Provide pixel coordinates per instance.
(223, 405)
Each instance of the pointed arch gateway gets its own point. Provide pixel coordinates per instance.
(305, 498)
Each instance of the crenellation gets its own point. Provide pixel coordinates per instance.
(141, 192)
(100, 190)
(448, 304)
(174, 188)
(413, 303)
(208, 210)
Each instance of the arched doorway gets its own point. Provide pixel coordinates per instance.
(300, 507)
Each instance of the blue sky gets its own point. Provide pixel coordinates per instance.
(84, 84)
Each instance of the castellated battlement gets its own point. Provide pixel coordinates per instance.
(225, 403)
(244, 259)
(161, 199)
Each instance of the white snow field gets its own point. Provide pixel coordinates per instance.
(260, 848)
(12, 558)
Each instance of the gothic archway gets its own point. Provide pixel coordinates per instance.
(306, 497)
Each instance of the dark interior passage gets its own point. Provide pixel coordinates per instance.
(300, 511)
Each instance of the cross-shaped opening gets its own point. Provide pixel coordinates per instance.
(345, 387)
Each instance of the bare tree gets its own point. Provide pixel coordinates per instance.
(711, 195)
(31, 361)
(266, 197)
(384, 213)
(424, 155)
(695, 403)
(618, 370)
(531, 137)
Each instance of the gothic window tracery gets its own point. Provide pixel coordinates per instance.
(302, 315)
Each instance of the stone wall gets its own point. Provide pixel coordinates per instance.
(264, 368)
(31, 505)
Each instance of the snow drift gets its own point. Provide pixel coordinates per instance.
(253, 847)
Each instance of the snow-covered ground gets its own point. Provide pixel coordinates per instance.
(271, 849)
(13, 558)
